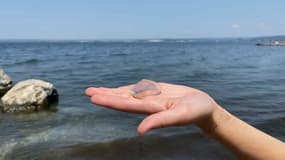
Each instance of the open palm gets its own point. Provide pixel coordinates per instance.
(176, 105)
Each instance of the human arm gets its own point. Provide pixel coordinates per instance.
(243, 139)
(182, 105)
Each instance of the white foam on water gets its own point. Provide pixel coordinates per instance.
(8, 147)
(66, 134)
(155, 40)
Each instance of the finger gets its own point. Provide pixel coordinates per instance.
(100, 90)
(159, 120)
(127, 104)
(120, 90)
(124, 88)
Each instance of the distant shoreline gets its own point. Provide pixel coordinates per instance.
(275, 43)
(276, 37)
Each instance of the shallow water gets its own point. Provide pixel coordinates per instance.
(247, 80)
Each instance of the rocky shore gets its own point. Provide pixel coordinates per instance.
(5, 82)
(26, 96)
(275, 43)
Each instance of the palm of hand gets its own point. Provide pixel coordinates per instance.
(176, 105)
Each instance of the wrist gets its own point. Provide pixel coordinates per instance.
(217, 118)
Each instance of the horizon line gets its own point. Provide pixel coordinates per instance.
(162, 38)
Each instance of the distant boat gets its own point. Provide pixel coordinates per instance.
(275, 43)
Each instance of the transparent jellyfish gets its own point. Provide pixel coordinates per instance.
(145, 88)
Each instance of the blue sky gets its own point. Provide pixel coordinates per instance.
(105, 19)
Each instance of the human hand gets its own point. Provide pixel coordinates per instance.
(176, 105)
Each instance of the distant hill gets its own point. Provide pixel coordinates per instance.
(270, 38)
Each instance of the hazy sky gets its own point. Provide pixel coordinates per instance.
(94, 19)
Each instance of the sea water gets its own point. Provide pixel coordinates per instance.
(247, 80)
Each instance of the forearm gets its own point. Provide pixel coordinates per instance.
(244, 140)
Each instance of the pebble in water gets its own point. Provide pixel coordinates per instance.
(145, 88)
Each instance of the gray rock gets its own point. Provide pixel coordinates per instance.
(5, 82)
(29, 95)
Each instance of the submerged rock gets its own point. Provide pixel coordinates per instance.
(5, 82)
(145, 88)
(29, 95)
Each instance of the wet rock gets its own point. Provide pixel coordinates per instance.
(29, 95)
(145, 88)
(5, 82)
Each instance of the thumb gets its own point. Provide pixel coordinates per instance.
(158, 120)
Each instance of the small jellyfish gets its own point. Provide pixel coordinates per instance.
(145, 88)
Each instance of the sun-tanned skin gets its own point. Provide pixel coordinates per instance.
(182, 105)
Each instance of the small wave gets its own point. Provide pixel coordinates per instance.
(7, 147)
(33, 60)
(61, 135)
(184, 41)
(29, 61)
(155, 40)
